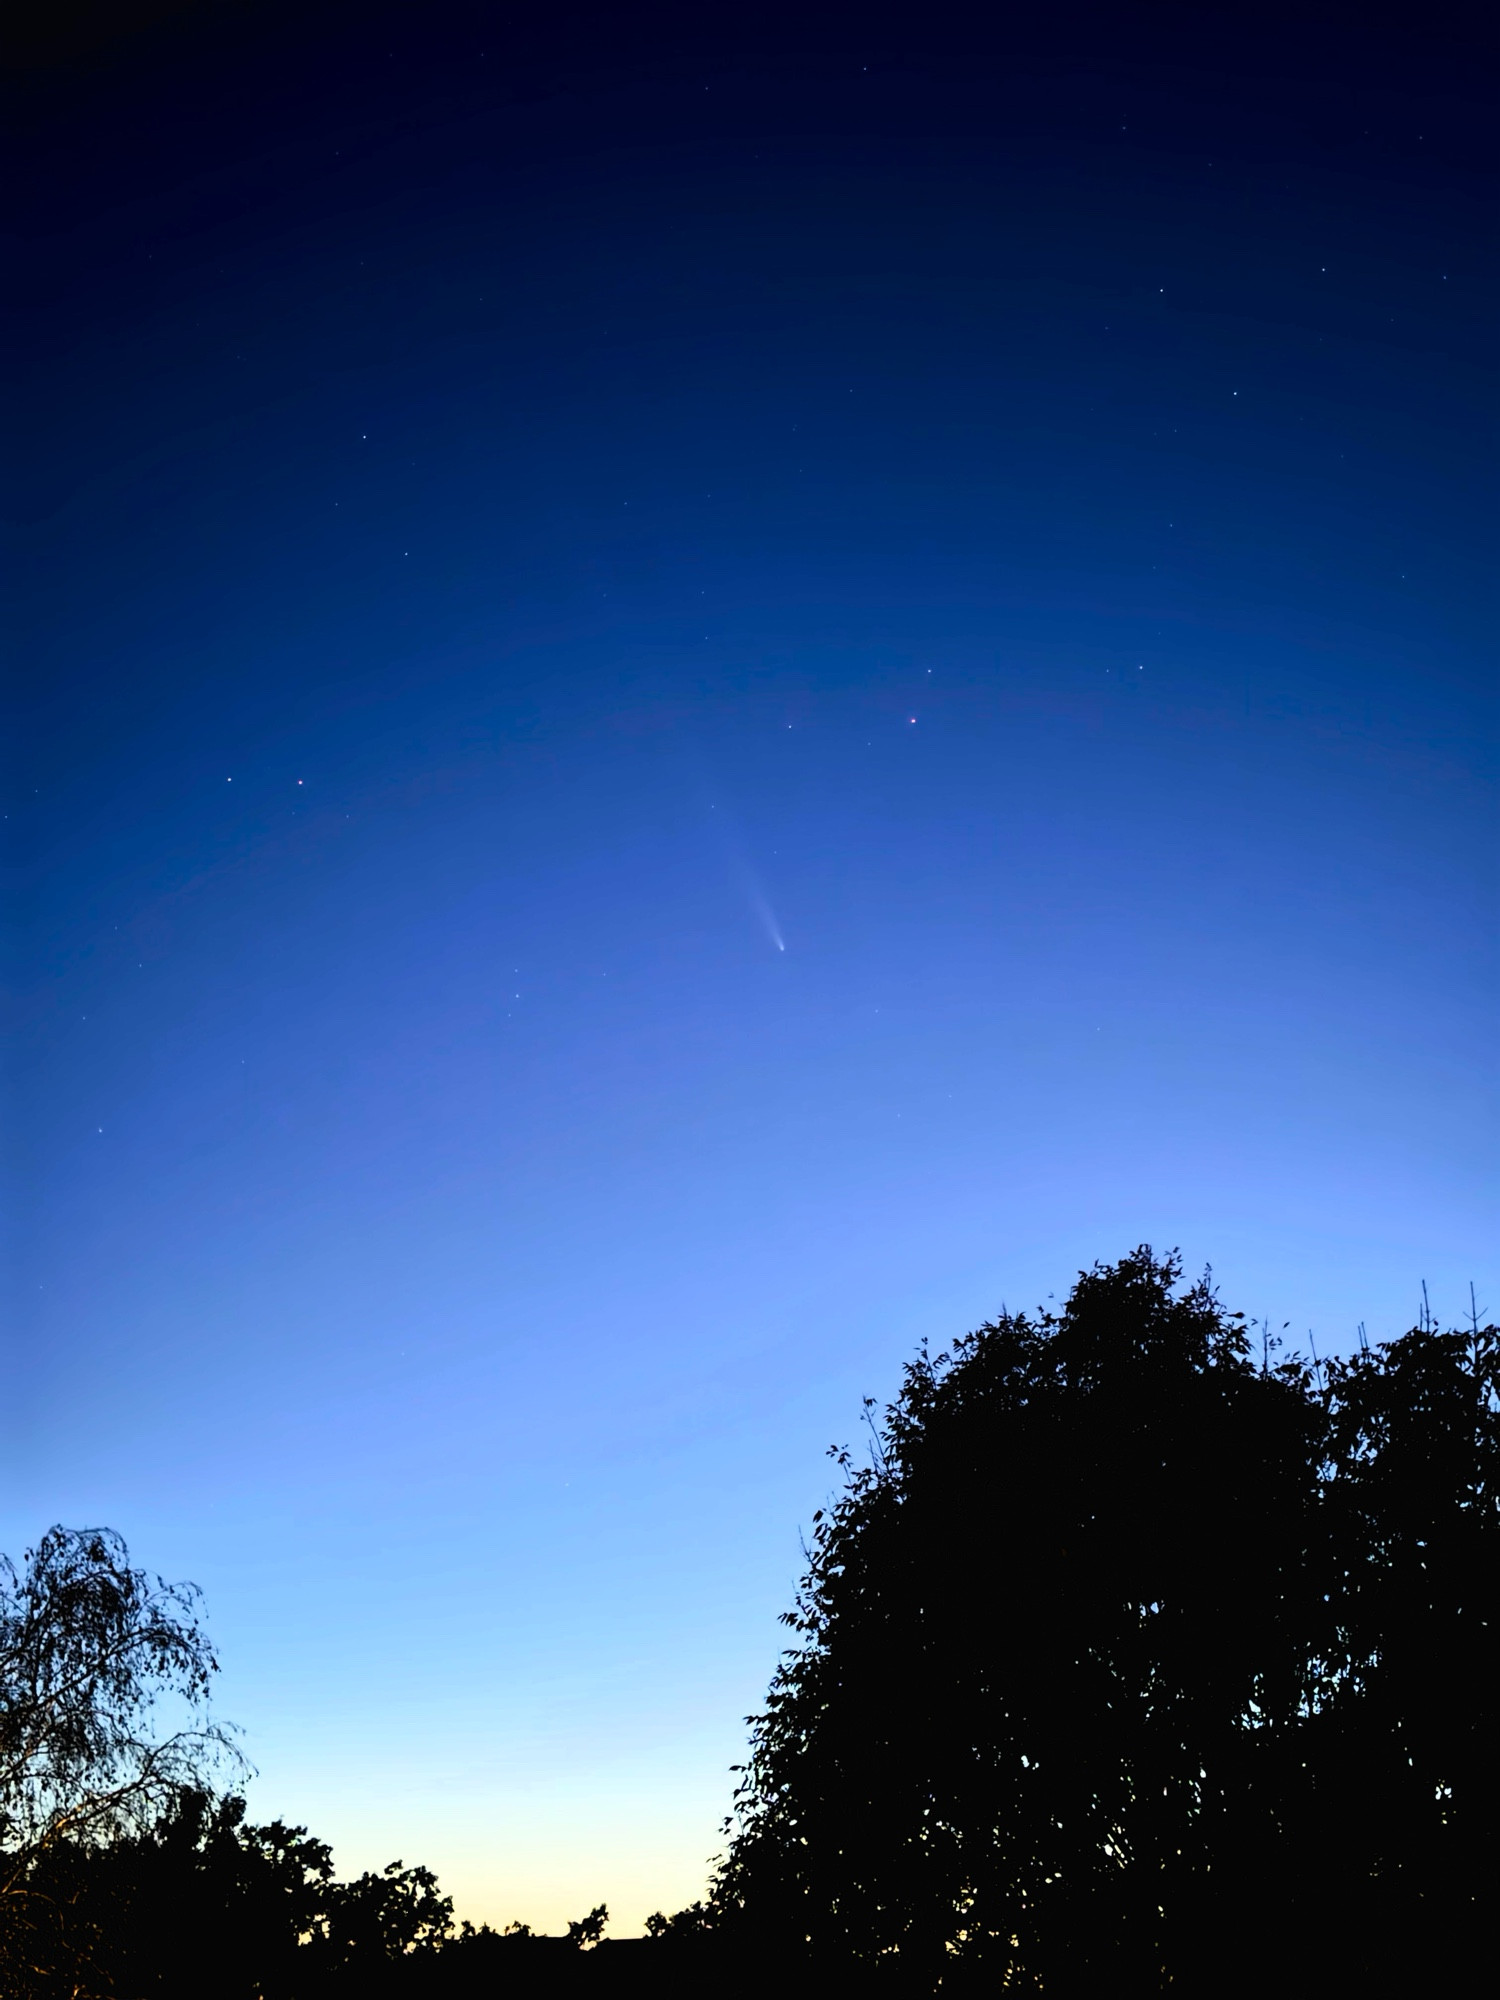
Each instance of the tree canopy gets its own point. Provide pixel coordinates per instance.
(1134, 1657)
(206, 1902)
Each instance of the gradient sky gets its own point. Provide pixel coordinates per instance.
(689, 710)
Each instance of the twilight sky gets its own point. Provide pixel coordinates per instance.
(689, 708)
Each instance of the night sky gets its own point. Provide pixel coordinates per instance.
(694, 701)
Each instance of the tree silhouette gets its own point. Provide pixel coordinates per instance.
(1403, 1751)
(1133, 1659)
(1127, 1661)
(203, 1901)
(88, 1646)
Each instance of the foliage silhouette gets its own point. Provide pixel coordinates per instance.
(202, 1888)
(126, 1874)
(88, 1646)
(1131, 1660)
(205, 1901)
(1128, 1662)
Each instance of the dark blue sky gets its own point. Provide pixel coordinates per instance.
(690, 705)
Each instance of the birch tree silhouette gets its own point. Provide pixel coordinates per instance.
(89, 1647)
